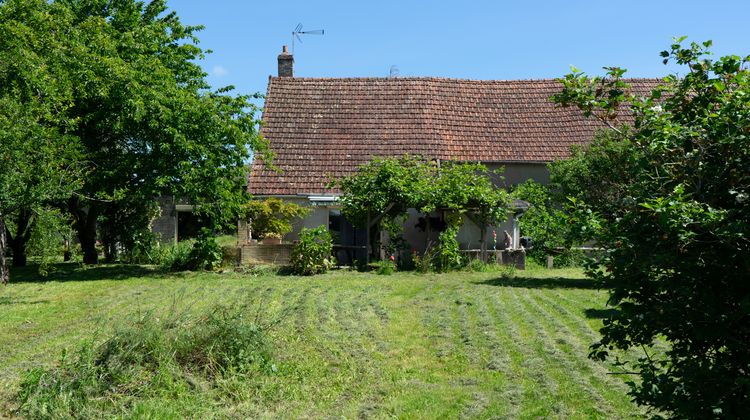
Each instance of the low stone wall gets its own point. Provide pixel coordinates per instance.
(515, 257)
(265, 254)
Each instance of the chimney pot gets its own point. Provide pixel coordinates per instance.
(286, 63)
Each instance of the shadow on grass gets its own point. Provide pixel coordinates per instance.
(600, 313)
(540, 283)
(75, 272)
(9, 301)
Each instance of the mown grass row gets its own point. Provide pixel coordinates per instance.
(467, 345)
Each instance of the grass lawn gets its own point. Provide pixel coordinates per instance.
(468, 345)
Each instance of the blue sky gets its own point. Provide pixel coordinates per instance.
(469, 39)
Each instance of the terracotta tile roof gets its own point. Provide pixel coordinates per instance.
(321, 128)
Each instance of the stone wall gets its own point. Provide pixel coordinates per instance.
(265, 254)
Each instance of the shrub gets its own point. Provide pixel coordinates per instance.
(386, 268)
(206, 253)
(312, 255)
(272, 216)
(145, 249)
(448, 257)
(176, 257)
(202, 254)
(146, 359)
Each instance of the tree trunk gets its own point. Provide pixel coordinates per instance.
(85, 226)
(4, 276)
(87, 237)
(23, 235)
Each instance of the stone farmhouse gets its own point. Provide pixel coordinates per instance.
(324, 128)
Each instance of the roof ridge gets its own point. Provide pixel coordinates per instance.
(436, 79)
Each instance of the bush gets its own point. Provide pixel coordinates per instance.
(312, 255)
(202, 254)
(146, 359)
(448, 257)
(176, 257)
(145, 249)
(206, 253)
(272, 216)
(385, 268)
(479, 266)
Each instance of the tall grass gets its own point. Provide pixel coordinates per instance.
(180, 359)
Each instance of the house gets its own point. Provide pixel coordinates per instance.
(324, 128)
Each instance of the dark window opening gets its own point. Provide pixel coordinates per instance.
(189, 225)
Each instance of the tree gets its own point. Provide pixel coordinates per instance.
(40, 157)
(676, 228)
(545, 220)
(386, 188)
(147, 120)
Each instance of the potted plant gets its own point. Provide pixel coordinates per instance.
(272, 239)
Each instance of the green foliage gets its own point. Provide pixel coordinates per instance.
(272, 216)
(49, 231)
(152, 357)
(478, 266)
(674, 216)
(544, 221)
(394, 227)
(388, 187)
(549, 221)
(391, 185)
(423, 263)
(206, 253)
(385, 268)
(37, 152)
(176, 257)
(126, 225)
(104, 106)
(144, 249)
(312, 255)
(447, 254)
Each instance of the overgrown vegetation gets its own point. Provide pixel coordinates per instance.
(169, 358)
(313, 253)
(669, 200)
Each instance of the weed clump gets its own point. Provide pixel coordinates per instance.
(184, 357)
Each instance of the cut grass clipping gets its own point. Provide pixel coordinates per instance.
(153, 366)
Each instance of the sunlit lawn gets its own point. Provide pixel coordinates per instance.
(474, 345)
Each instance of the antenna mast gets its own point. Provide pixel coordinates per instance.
(298, 31)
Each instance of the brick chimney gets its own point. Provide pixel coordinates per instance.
(286, 63)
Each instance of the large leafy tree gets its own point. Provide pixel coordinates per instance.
(671, 204)
(40, 157)
(148, 122)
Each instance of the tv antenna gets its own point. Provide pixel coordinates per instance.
(298, 31)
